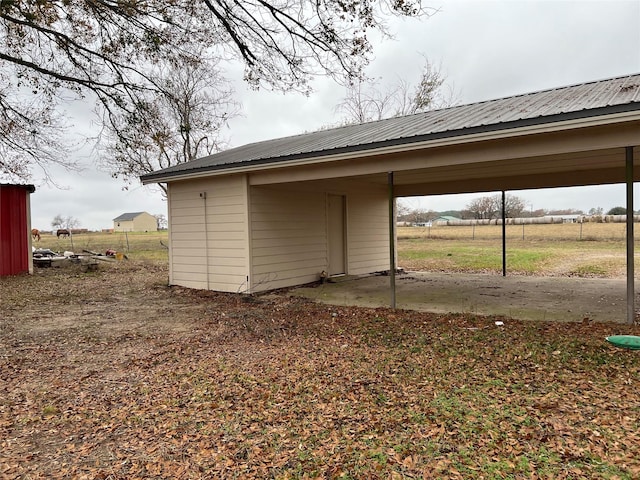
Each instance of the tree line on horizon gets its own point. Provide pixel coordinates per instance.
(490, 207)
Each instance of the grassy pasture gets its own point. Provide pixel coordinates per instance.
(560, 249)
(136, 245)
(541, 232)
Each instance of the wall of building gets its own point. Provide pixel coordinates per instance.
(123, 226)
(289, 233)
(15, 229)
(208, 234)
(145, 222)
(368, 224)
(289, 237)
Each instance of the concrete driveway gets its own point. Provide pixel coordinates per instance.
(522, 297)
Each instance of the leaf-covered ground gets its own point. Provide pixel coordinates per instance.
(114, 375)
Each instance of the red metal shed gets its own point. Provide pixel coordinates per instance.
(15, 229)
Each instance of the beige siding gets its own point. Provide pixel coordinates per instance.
(123, 226)
(367, 230)
(145, 222)
(211, 254)
(289, 232)
(288, 243)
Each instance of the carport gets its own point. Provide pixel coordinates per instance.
(585, 134)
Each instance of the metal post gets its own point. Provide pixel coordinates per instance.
(392, 241)
(630, 236)
(504, 236)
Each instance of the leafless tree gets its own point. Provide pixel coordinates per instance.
(161, 220)
(365, 101)
(68, 222)
(483, 207)
(108, 51)
(513, 205)
(491, 206)
(181, 122)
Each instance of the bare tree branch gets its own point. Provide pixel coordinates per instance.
(365, 102)
(110, 51)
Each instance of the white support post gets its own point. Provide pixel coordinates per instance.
(392, 242)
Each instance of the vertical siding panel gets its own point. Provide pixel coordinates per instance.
(15, 229)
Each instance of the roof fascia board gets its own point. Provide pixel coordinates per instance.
(493, 134)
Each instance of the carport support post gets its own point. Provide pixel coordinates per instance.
(630, 236)
(504, 236)
(392, 241)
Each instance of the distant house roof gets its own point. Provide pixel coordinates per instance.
(586, 100)
(447, 218)
(125, 217)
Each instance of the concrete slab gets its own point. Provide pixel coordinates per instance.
(522, 297)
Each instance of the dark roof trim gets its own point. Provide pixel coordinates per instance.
(29, 188)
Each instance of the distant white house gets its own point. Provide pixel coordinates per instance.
(135, 222)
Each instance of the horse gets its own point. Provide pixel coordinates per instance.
(35, 234)
(62, 232)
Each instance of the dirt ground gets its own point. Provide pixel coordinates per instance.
(114, 375)
(521, 297)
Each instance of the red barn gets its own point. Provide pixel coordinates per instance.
(15, 229)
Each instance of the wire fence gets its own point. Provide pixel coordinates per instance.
(588, 231)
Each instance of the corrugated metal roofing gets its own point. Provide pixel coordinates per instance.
(576, 101)
(126, 217)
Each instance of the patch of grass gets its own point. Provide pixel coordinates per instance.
(50, 411)
(589, 270)
(530, 257)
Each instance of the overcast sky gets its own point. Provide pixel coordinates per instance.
(486, 50)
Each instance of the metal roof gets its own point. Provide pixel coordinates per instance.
(125, 217)
(584, 100)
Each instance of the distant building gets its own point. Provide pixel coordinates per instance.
(135, 222)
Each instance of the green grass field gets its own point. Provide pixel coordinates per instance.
(590, 250)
